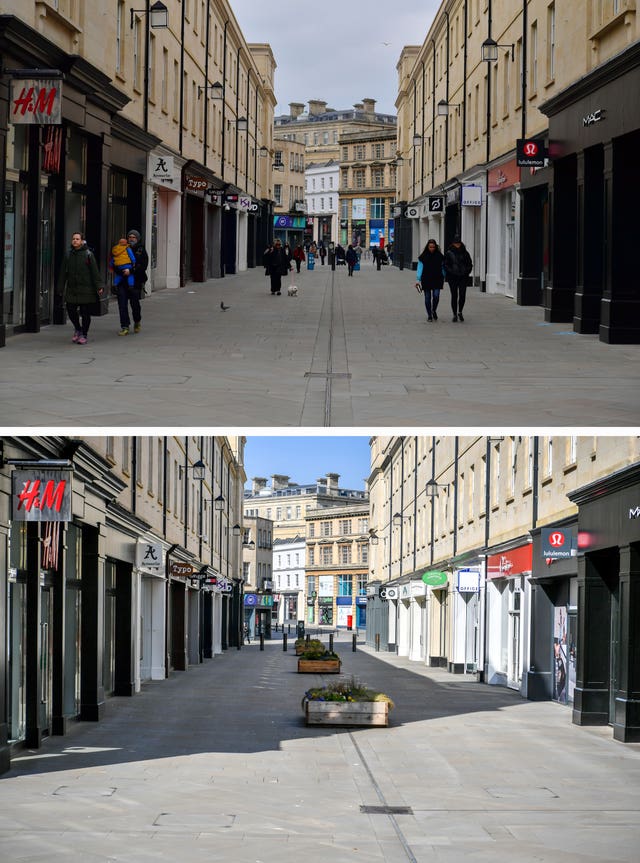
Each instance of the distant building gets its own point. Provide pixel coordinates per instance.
(321, 194)
(288, 579)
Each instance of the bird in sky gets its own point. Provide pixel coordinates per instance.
(385, 43)
(223, 307)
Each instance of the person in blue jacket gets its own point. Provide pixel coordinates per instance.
(430, 277)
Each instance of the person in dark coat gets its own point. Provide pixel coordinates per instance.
(351, 259)
(277, 264)
(429, 277)
(130, 294)
(457, 266)
(80, 284)
(322, 252)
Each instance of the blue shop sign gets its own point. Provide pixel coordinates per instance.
(344, 600)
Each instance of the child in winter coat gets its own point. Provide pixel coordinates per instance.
(122, 262)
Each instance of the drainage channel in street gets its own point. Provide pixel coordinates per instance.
(384, 808)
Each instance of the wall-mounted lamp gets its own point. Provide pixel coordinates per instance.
(250, 545)
(217, 90)
(431, 488)
(278, 166)
(242, 124)
(158, 15)
(218, 503)
(490, 50)
(444, 107)
(264, 152)
(416, 140)
(236, 530)
(398, 518)
(373, 537)
(197, 467)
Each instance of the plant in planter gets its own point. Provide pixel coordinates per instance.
(346, 702)
(316, 658)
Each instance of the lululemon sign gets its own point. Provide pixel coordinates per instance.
(530, 153)
(556, 543)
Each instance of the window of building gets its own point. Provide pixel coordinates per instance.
(312, 555)
(311, 585)
(344, 554)
(377, 178)
(277, 194)
(551, 41)
(326, 554)
(359, 152)
(533, 59)
(278, 513)
(377, 151)
(325, 528)
(359, 178)
(312, 529)
(344, 174)
(344, 526)
(363, 552)
(377, 208)
(362, 583)
(345, 585)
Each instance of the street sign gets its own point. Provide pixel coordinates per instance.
(180, 570)
(436, 204)
(41, 495)
(468, 580)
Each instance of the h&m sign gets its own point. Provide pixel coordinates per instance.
(36, 101)
(42, 495)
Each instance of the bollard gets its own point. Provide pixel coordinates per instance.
(308, 637)
(284, 641)
(262, 641)
(331, 642)
(377, 641)
(354, 640)
(288, 629)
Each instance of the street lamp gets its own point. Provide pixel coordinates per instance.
(197, 467)
(444, 106)
(218, 503)
(217, 90)
(490, 47)
(431, 488)
(236, 530)
(373, 537)
(158, 15)
(398, 518)
(416, 141)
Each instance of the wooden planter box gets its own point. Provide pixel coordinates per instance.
(375, 713)
(319, 666)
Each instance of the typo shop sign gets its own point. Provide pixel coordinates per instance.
(43, 495)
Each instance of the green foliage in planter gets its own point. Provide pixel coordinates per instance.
(345, 690)
(315, 649)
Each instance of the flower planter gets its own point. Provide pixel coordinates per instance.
(319, 666)
(299, 649)
(373, 713)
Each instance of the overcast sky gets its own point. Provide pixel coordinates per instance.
(333, 50)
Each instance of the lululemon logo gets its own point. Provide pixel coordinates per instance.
(556, 540)
(530, 149)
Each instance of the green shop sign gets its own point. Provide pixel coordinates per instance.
(435, 579)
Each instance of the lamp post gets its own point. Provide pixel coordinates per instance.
(156, 17)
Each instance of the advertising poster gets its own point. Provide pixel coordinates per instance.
(560, 655)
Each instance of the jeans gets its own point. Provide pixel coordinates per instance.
(128, 295)
(429, 306)
(458, 294)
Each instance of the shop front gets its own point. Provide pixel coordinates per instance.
(503, 228)
(507, 575)
(594, 130)
(554, 604)
(607, 690)
(465, 651)
(164, 206)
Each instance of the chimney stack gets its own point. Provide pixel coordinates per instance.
(316, 107)
(295, 109)
(369, 106)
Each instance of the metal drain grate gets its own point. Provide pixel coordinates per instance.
(387, 810)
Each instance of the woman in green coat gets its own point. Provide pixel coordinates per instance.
(81, 286)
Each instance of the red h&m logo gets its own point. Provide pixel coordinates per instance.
(52, 496)
(36, 101)
(43, 495)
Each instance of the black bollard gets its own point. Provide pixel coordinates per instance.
(354, 640)
(284, 641)
(262, 641)
(377, 641)
(288, 629)
(331, 643)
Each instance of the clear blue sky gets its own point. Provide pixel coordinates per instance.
(306, 458)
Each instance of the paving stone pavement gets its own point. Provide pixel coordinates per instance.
(215, 764)
(345, 352)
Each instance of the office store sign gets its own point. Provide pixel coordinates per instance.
(42, 495)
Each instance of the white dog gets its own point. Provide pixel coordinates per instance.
(292, 291)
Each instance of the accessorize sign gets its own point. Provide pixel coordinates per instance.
(41, 495)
